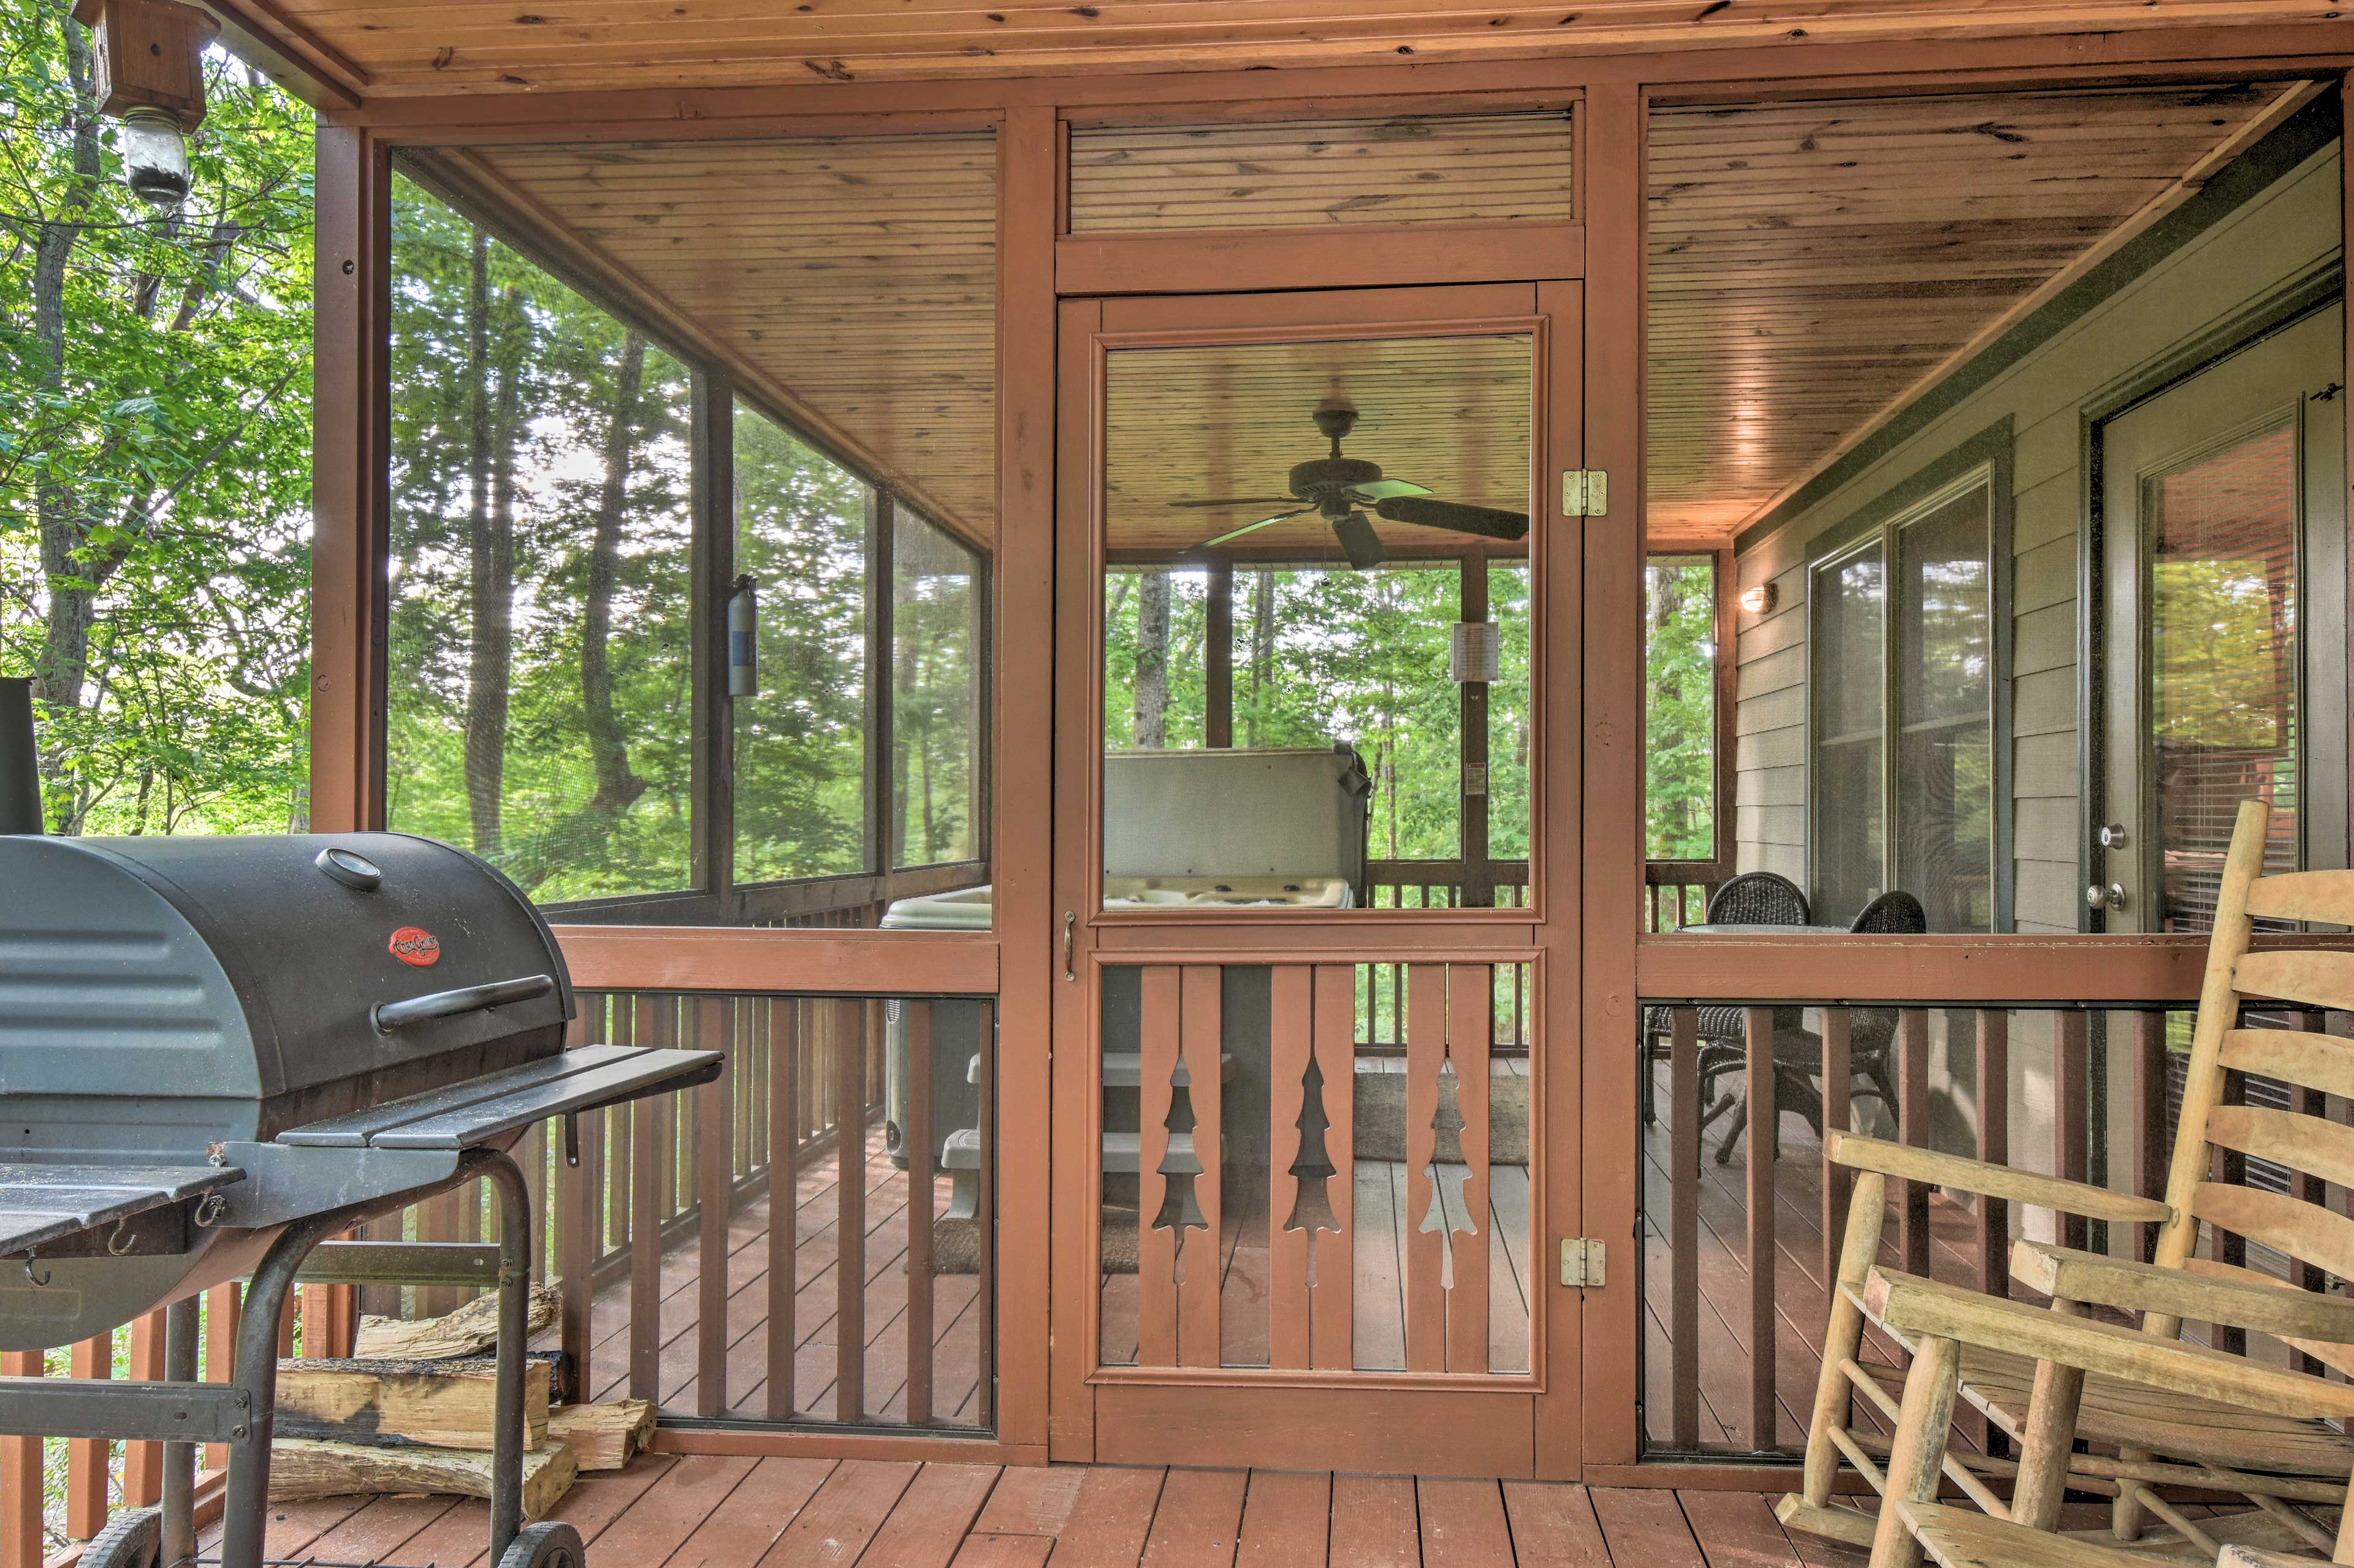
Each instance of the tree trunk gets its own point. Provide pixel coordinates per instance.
(491, 417)
(609, 751)
(1150, 731)
(1262, 646)
(62, 666)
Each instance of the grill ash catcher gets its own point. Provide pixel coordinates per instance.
(216, 1054)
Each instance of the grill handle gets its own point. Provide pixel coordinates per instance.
(390, 1015)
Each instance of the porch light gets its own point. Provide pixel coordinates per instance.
(1758, 599)
(150, 70)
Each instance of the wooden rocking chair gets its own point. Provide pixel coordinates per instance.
(2193, 1432)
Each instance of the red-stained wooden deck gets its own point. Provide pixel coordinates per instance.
(667, 1512)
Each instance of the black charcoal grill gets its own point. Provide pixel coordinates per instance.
(217, 1052)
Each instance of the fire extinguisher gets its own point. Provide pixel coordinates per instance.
(744, 639)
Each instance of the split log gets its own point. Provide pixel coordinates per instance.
(471, 1329)
(603, 1437)
(300, 1468)
(435, 1403)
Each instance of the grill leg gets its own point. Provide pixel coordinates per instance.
(245, 1511)
(514, 1328)
(179, 1541)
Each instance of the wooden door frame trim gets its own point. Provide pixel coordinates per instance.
(1356, 256)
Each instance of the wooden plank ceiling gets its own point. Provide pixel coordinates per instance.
(850, 280)
(383, 47)
(1211, 423)
(1810, 263)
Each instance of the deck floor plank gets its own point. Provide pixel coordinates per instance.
(1554, 1526)
(1032, 1500)
(1110, 1518)
(1197, 1520)
(838, 1523)
(751, 1517)
(1646, 1527)
(1462, 1523)
(1374, 1522)
(1003, 1552)
(1738, 1530)
(1287, 1519)
(932, 1517)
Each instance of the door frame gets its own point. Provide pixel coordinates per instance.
(1396, 1421)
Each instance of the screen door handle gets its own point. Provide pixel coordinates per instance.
(1070, 933)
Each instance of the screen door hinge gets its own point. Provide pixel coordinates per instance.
(1585, 493)
(1581, 1263)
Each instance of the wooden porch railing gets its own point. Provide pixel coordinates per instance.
(1736, 1264)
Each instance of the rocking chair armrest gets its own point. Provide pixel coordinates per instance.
(1912, 1307)
(2284, 1310)
(1903, 1160)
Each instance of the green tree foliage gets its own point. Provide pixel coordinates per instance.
(155, 448)
(539, 672)
(1680, 735)
(1322, 656)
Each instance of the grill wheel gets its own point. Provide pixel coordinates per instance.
(547, 1544)
(133, 1539)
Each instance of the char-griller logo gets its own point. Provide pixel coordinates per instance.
(415, 945)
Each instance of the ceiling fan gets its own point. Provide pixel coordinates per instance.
(1339, 488)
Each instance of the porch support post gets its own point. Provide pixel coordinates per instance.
(350, 434)
(1218, 658)
(712, 728)
(1479, 876)
(1591, 837)
(1029, 145)
(881, 514)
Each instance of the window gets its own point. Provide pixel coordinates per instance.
(802, 528)
(1903, 781)
(539, 587)
(936, 641)
(1679, 709)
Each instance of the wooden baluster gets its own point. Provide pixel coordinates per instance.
(532, 1155)
(714, 1194)
(1332, 1336)
(922, 1154)
(985, 1220)
(1202, 1037)
(785, 1017)
(142, 1463)
(645, 1248)
(1839, 1115)
(850, 1220)
(2314, 1190)
(621, 1171)
(223, 1304)
(2070, 1116)
(20, 1478)
(1765, 1116)
(1471, 1006)
(1291, 1027)
(1156, 1292)
(1425, 1049)
(1912, 1127)
(1993, 1218)
(2153, 1144)
(580, 1210)
(2229, 1167)
(1683, 1223)
(86, 1457)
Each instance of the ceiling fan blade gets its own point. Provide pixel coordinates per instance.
(1456, 516)
(1248, 528)
(1384, 489)
(1236, 500)
(1358, 542)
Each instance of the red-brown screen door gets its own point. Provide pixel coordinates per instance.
(1316, 1066)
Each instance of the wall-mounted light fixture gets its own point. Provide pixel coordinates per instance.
(150, 68)
(1758, 597)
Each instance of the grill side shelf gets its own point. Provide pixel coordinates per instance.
(40, 1203)
(598, 1075)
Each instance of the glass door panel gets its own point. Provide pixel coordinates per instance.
(1315, 624)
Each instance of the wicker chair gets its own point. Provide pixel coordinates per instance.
(1752, 898)
(1798, 1051)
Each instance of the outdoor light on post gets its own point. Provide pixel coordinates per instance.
(151, 76)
